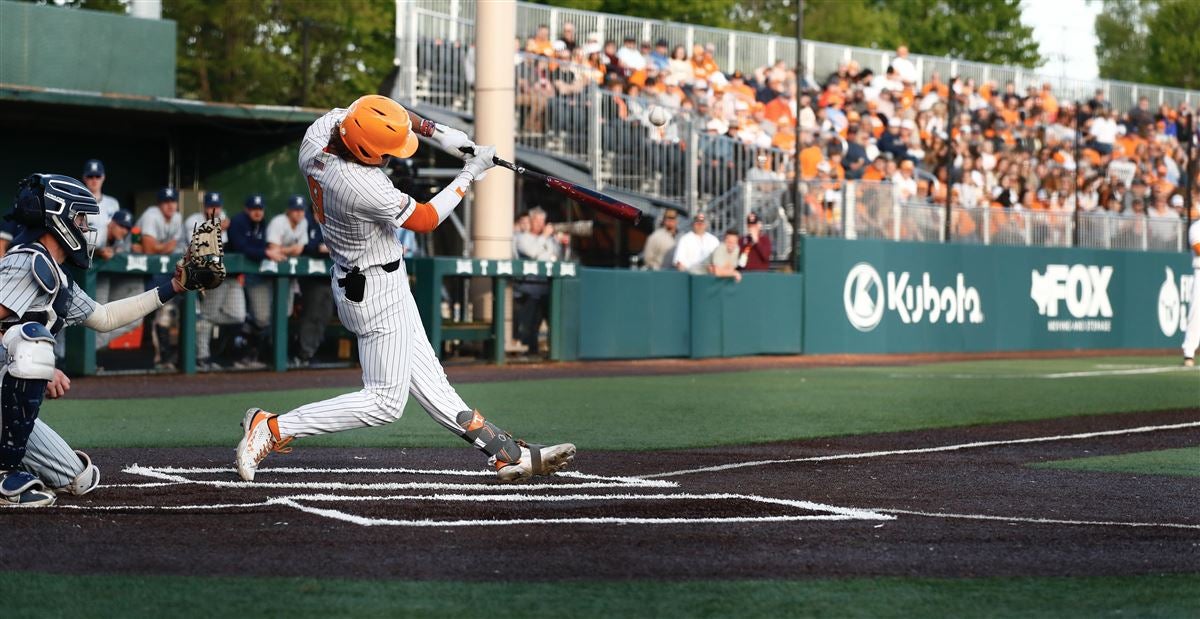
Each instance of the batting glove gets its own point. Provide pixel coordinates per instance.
(478, 164)
(451, 140)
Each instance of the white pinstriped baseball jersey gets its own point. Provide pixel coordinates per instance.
(359, 210)
(22, 295)
(357, 206)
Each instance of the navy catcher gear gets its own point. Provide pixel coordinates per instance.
(59, 205)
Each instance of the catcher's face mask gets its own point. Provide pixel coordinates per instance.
(90, 234)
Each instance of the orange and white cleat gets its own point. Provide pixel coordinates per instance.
(261, 438)
(535, 460)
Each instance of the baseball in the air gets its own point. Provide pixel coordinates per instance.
(658, 116)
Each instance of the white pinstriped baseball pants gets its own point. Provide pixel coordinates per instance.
(396, 359)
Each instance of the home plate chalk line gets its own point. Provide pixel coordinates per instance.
(319, 492)
(496, 493)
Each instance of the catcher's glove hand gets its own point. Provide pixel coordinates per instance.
(201, 267)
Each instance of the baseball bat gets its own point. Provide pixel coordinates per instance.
(587, 197)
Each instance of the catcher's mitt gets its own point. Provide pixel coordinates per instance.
(201, 267)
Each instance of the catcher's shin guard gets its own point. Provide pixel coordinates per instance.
(20, 401)
(488, 438)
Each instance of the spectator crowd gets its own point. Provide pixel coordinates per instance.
(1020, 158)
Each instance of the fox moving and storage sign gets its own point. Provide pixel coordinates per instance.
(881, 296)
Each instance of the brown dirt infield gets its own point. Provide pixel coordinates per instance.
(234, 530)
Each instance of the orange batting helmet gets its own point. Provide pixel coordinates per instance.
(376, 126)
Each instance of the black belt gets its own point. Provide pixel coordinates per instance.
(388, 268)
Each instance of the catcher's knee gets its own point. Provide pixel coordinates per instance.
(85, 481)
(489, 438)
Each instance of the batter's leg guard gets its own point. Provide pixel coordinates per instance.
(20, 401)
(488, 438)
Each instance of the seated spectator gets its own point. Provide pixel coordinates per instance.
(566, 39)
(694, 247)
(680, 67)
(723, 261)
(906, 71)
(659, 59)
(855, 159)
(540, 43)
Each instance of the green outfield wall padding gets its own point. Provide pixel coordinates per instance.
(866, 296)
(633, 314)
(619, 314)
(759, 315)
(566, 341)
(55, 47)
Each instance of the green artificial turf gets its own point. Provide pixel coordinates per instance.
(676, 412)
(1184, 462)
(672, 412)
(180, 597)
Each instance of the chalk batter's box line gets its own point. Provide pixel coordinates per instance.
(177, 477)
(519, 494)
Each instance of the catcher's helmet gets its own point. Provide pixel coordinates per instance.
(59, 205)
(376, 126)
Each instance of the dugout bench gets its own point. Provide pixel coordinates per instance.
(429, 274)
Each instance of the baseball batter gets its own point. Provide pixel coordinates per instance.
(359, 210)
(1191, 338)
(38, 299)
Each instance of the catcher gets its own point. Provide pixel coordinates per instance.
(37, 299)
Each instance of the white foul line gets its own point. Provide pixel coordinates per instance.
(1101, 523)
(922, 450)
(1056, 375)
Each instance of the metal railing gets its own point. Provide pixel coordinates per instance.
(771, 201)
(875, 210)
(562, 111)
(748, 51)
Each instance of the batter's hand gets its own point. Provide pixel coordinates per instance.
(58, 386)
(483, 160)
(451, 140)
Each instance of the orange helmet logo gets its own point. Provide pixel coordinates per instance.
(376, 126)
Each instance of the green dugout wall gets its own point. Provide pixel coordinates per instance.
(867, 296)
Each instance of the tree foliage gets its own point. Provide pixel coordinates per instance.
(980, 30)
(1121, 36)
(291, 52)
(1150, 41)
